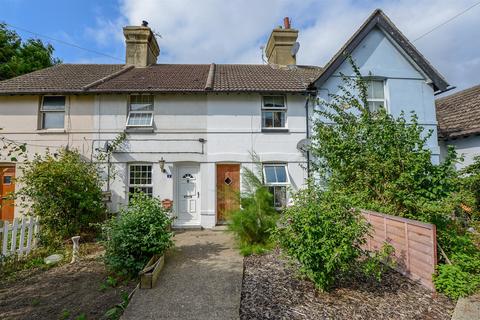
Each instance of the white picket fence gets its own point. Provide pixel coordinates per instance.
(19, 237)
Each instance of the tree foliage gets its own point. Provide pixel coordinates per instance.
(17, 57)
(382, 161)
(64, 191)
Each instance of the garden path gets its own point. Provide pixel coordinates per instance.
(202, 279)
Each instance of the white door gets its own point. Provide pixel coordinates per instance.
(188, 194)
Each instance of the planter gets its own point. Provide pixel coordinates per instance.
(149, 274)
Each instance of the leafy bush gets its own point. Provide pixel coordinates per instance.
(64, 191)
(141, 230)
(383, 163)
(459, 279)
(254, 222)
(325, 235)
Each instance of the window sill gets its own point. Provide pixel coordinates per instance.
(139, 129)
(42, 131)
(275, 130)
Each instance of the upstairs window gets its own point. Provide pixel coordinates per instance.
(375, 95)
(52, 112)
(274, 112)
(276, 178)
(140, 111)
(140, 179)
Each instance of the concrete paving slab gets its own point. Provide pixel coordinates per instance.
(467, 308)
(202, 279)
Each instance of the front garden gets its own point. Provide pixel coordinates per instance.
(63, 191)
(368, 160)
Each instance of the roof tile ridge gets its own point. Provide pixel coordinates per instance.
(108, 77)
(211, 77)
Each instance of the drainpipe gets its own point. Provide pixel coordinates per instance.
(307, 128)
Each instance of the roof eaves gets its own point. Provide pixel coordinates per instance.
(378, 18)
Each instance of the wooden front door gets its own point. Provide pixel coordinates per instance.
(228, 189)
(7, 186)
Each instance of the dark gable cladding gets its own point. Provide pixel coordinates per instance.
(162, 78)
(458, 114)
(380, 20)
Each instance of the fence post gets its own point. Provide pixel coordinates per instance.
(14, 236)
(30, 234)
(21, 245)
(5, 238)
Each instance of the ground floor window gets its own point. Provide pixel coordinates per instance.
(276, 178)
(140, 179)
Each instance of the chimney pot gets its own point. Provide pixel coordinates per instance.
(144, 23)
(286, 22)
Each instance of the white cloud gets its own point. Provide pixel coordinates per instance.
(232, 31)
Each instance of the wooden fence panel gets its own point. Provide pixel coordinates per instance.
(415, 244)
(18, 238)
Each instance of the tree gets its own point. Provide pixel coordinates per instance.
(382, 162)
(17, 57)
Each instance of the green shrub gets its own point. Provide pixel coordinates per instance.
(64, 191)
(325, 236)
(254, 222)
(460, 279)
(141, 230)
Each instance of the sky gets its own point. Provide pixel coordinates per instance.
(220, 31)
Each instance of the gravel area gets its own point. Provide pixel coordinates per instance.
(273, 289)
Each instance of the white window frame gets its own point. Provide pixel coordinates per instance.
(285, 184)
(140, 185)
(275, 109)
(43, 112)
(384, 100)
(133, 112)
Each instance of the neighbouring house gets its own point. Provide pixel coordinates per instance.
(459, 124)
(192, 127)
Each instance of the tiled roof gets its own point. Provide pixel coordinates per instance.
(60, 78)
(459, 114)
(98, 78)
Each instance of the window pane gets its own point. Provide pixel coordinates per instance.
(281, 174)
(141, 103)
(279, 119)
(147, 190)
(267, 119)
(270, 176)
(53, 103)
(279, 196)
(273, 102)
(139, 119)
(375, 89)
(53, 120)
(140, 174)
(374, 106)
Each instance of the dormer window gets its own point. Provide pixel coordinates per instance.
(140, 111)
(52, 112)
(375, 95)
(274, 112)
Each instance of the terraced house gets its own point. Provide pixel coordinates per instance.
(192, 127)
